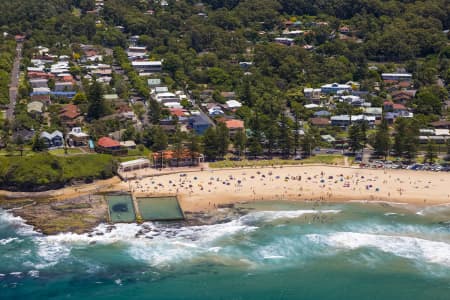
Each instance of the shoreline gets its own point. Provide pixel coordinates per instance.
(203, 192)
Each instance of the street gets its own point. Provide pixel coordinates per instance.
(14, 83)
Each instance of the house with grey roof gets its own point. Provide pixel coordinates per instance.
(53, 140)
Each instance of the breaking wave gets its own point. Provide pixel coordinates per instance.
(402, 246)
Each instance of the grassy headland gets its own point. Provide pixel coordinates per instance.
(44, 171)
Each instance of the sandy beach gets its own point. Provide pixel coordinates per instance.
(209, 189)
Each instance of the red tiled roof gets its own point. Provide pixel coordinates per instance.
(67, 78)
(107, 142)
(319, 121)
(70, 111)
(404, 84)
(42, 98)
(40, 75)
(232, 124)
(90, 53)
(399, 107)
(178, 112)
(124, 108)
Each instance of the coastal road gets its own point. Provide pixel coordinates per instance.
(14, 83)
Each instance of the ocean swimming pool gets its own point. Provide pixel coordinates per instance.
(160, 208)
(121, 209)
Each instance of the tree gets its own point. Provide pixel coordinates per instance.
(20, 144)
(240, 140)
(210, 144)
(79, 98)
(194, 145)
(271, 133)
(427, 101)
(447, 156)
(399, 137)
(154, 111)
(430, 156)
(96, 107)
(406, 138)
(178, 144)
(155, 138)
(129, 133)
(382, 140)
(297, 109)
(223, 139)
(309, 141)
(285, 140)
(37, 144)
(357, 137)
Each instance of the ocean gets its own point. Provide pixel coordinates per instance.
(275, 250)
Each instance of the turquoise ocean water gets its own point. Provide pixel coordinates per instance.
(279, 250)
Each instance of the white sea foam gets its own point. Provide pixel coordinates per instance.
(16, 274)
(378, 202)
(8, 240)
(390, 214)
(16, 222)
(270, 216)
(274, 257)
(403, 246)
(33, 273)
(156, 244)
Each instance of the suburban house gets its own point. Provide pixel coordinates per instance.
(441, 124)
(284, 41)
(319, 122)
(153, 82)
(147, 66)
(77, 137)
(70, 115)
(228, 95)
(345, 120)
(128, 144)
(199, 123)
(397, 76)
(108, 145)
(233, 104)
(39, 83)
(335, 88)
(389, 106)
(438, 136)
(312, 95)
(53, 140)
(355, 101)
(25, 134)
(64, 86)
(322, 113)
(215, 110)
(137, 52)
(234, 126)
(35, 108)
(403, 96)
(377, 112)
